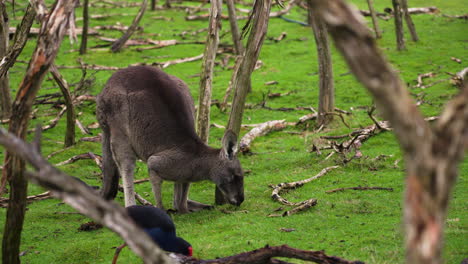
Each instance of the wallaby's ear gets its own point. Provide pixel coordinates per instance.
(229, 149)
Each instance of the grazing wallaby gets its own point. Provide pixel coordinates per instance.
(148, 114)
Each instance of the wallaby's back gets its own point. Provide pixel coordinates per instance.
(154, 110)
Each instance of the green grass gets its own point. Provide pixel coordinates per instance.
(364, 225)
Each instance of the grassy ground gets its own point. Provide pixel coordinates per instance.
(364, 225)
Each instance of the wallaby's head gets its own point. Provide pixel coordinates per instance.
(227, 173)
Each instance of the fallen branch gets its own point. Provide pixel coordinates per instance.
(359, 188)
(260, 130)
(53, 122)
(225, 17)
(104, 16)
(359, 135)
(265, 256)
(88, 155)
(277, 189)
(460, 77)
(465, 16)
(421, 77)
(302, 207)
(178, 61)
(35, 31)
(29, 199)
(92, 139)
(82, 128)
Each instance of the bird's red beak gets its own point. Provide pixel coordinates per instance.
(190, 251)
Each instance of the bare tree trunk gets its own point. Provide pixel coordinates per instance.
(398, 25)
(120, 43)
(47, 47)
(5, 97)
(409, 21)
(71, 118)
(432, 153)
(227, 94)
(241, 84)
(375, 23)
(236, 37)
(254, 44)
(326, 86)
(206, 78)
(153, 5)
(19, 40)
(84, 34)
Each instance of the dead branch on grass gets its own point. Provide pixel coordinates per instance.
(88, 155)
(300, 206)
(53, 122)
(361, 188)
(261, 130)
(265, 256)
(421, 77)
(29, 199)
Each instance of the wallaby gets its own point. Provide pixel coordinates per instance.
(148, 114)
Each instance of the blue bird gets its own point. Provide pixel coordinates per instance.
(160, 227)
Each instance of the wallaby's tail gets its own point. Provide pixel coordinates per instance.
(110, 181)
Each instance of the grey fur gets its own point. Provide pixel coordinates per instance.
(147, 114)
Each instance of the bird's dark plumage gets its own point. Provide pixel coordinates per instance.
(160, 227)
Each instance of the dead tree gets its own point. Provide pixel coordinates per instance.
(326, 86)
(259, 25)
(71, 117)
(241, 84)
(431, 153)
(398, 25)
(409, 21)
(375, 23)
(5, 98)
(120, 43)
(206, 78)
(236, 37)
(19, 40)
(51, 34)
(84, 199)
(84, 34)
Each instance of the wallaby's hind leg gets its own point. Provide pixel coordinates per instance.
(156, 184)
(110, 182)
(125, 159)
(180, 197)
(181, 202)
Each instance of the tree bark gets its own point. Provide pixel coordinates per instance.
(52, 32)
(206, 78)
(398, 25)
(120, 43)
(71, 117)
(84, 34)
(432, 153)
(5, 97)
(326, 86)
(409, 21)
(242, 80)
(241, 83)
(153, 5)
(85, 200)
(236, 37)
(375, 23)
